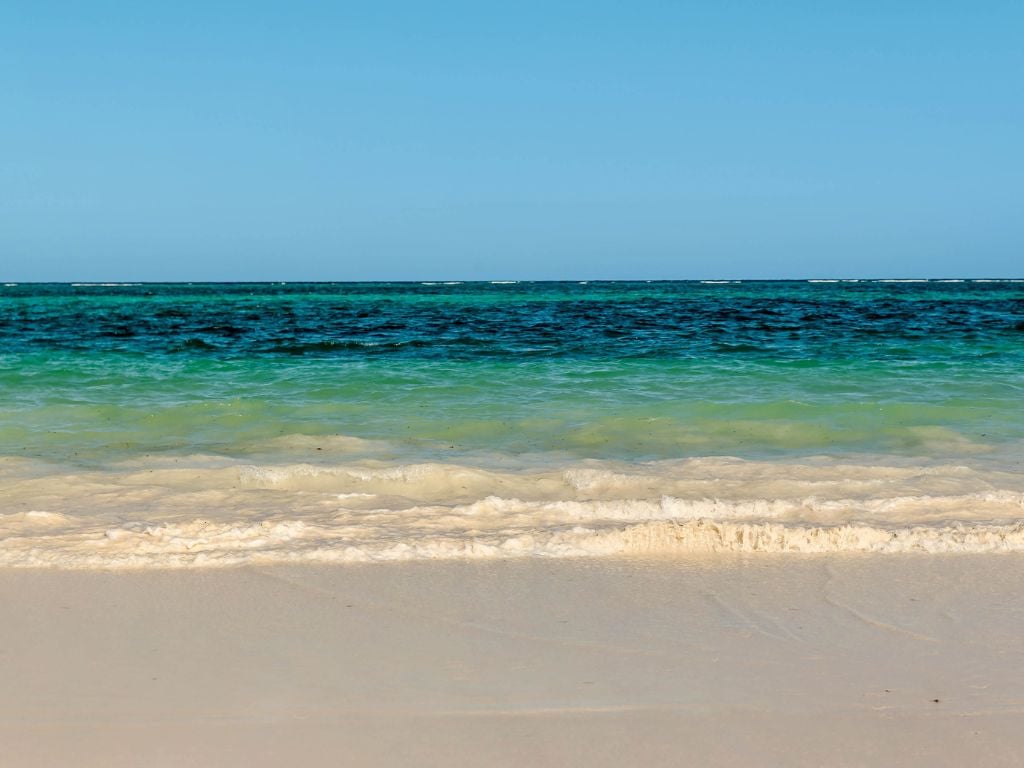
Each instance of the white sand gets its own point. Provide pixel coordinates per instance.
(767, 660)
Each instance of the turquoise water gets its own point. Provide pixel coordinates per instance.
(770, 390)
(598, 370)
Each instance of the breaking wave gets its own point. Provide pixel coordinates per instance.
(201, 543)
(215, 513)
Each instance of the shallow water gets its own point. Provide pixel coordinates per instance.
(220, 423)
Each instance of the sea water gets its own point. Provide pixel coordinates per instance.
(216, 424)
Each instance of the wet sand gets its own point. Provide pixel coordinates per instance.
(782, 660)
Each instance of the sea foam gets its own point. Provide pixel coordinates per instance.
(209, 514)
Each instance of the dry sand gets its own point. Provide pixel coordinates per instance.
(765, 660)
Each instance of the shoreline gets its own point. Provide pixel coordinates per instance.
(724, 660)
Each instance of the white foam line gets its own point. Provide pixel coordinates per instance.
(203, 544)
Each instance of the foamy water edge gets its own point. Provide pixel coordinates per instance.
(201, 544)
(215, 513)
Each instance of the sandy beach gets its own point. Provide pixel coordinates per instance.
(764, 660)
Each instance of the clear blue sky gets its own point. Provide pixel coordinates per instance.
(397, 140)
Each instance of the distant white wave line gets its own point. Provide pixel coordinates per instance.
(101, 285)
(504, 282)
(201, 543)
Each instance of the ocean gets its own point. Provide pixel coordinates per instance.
(173, 425)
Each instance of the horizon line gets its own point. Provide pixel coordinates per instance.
(112, 283)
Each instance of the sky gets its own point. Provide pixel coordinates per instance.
(400, 140)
